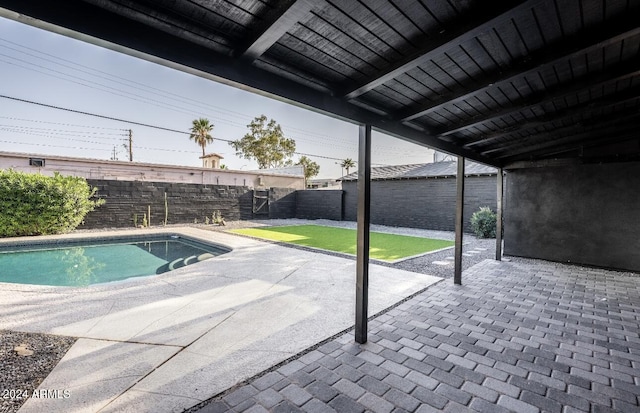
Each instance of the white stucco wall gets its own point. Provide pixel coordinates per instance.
(138, 171)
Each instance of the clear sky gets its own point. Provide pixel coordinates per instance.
(55, 70)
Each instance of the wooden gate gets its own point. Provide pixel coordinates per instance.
(260, 202)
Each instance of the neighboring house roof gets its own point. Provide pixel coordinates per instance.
(212, 155)
(424, 170)
(293, 170)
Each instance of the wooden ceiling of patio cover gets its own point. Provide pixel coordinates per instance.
(497, 82)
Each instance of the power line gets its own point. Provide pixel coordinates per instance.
(180, 109)
(163, 93)
(140, 124)
(106, 88)
(97, 116)
(167, 94)
(61, 124)
(163, 149)
(103, 116)
(55, 136)
(65, 131)
(80, 140)
(53, 146)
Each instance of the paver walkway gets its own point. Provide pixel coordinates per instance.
(517, 336)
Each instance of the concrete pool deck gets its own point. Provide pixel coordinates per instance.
(165, 343)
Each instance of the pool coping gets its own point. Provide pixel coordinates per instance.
(155, 236)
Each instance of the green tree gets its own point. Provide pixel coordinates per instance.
(201, 132)
(347, 164)
(266, 144)
(311, 168)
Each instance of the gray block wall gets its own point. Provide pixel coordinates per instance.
(185, 203)
(584, 214)
(422, 203)
(282, 203)
(319, 204)
(425, 203)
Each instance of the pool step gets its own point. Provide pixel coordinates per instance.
(190, 260)
(183, 262)
(177, 263)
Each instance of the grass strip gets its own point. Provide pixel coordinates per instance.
(385, 247)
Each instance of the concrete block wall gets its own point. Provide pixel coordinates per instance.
(282, 203)
(185, 203)
(319, 204)
(422, 203)
(582, 214)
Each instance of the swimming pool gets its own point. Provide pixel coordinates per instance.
(83, 262)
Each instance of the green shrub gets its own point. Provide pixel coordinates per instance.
(483, 223)
(32, 204)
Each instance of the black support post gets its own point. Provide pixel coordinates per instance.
(457, 271)
(500, 184)
(364, 219)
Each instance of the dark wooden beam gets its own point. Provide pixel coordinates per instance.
(578, 45)
(594, 143)
(621, 72)
(625, 146)
(542, 163)
(619, 148)
(286, 14)
(608, 130)
(195, 30)
(584, 110)
(484, 19)
(603, 123)
(364, 220)
(457, 269)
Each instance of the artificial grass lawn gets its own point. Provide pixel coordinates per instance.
(385, 247)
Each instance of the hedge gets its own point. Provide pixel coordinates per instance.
(483, 223)
(33, 204)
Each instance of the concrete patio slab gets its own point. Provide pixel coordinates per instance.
(219, 321)
(112, 367)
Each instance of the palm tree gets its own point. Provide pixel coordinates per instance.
(348, 163)
(201, 132)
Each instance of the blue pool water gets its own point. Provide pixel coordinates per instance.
(82, 263)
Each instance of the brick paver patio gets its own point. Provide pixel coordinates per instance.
(524, 337)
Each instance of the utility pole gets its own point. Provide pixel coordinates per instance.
(114, 155)
(130, 146)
